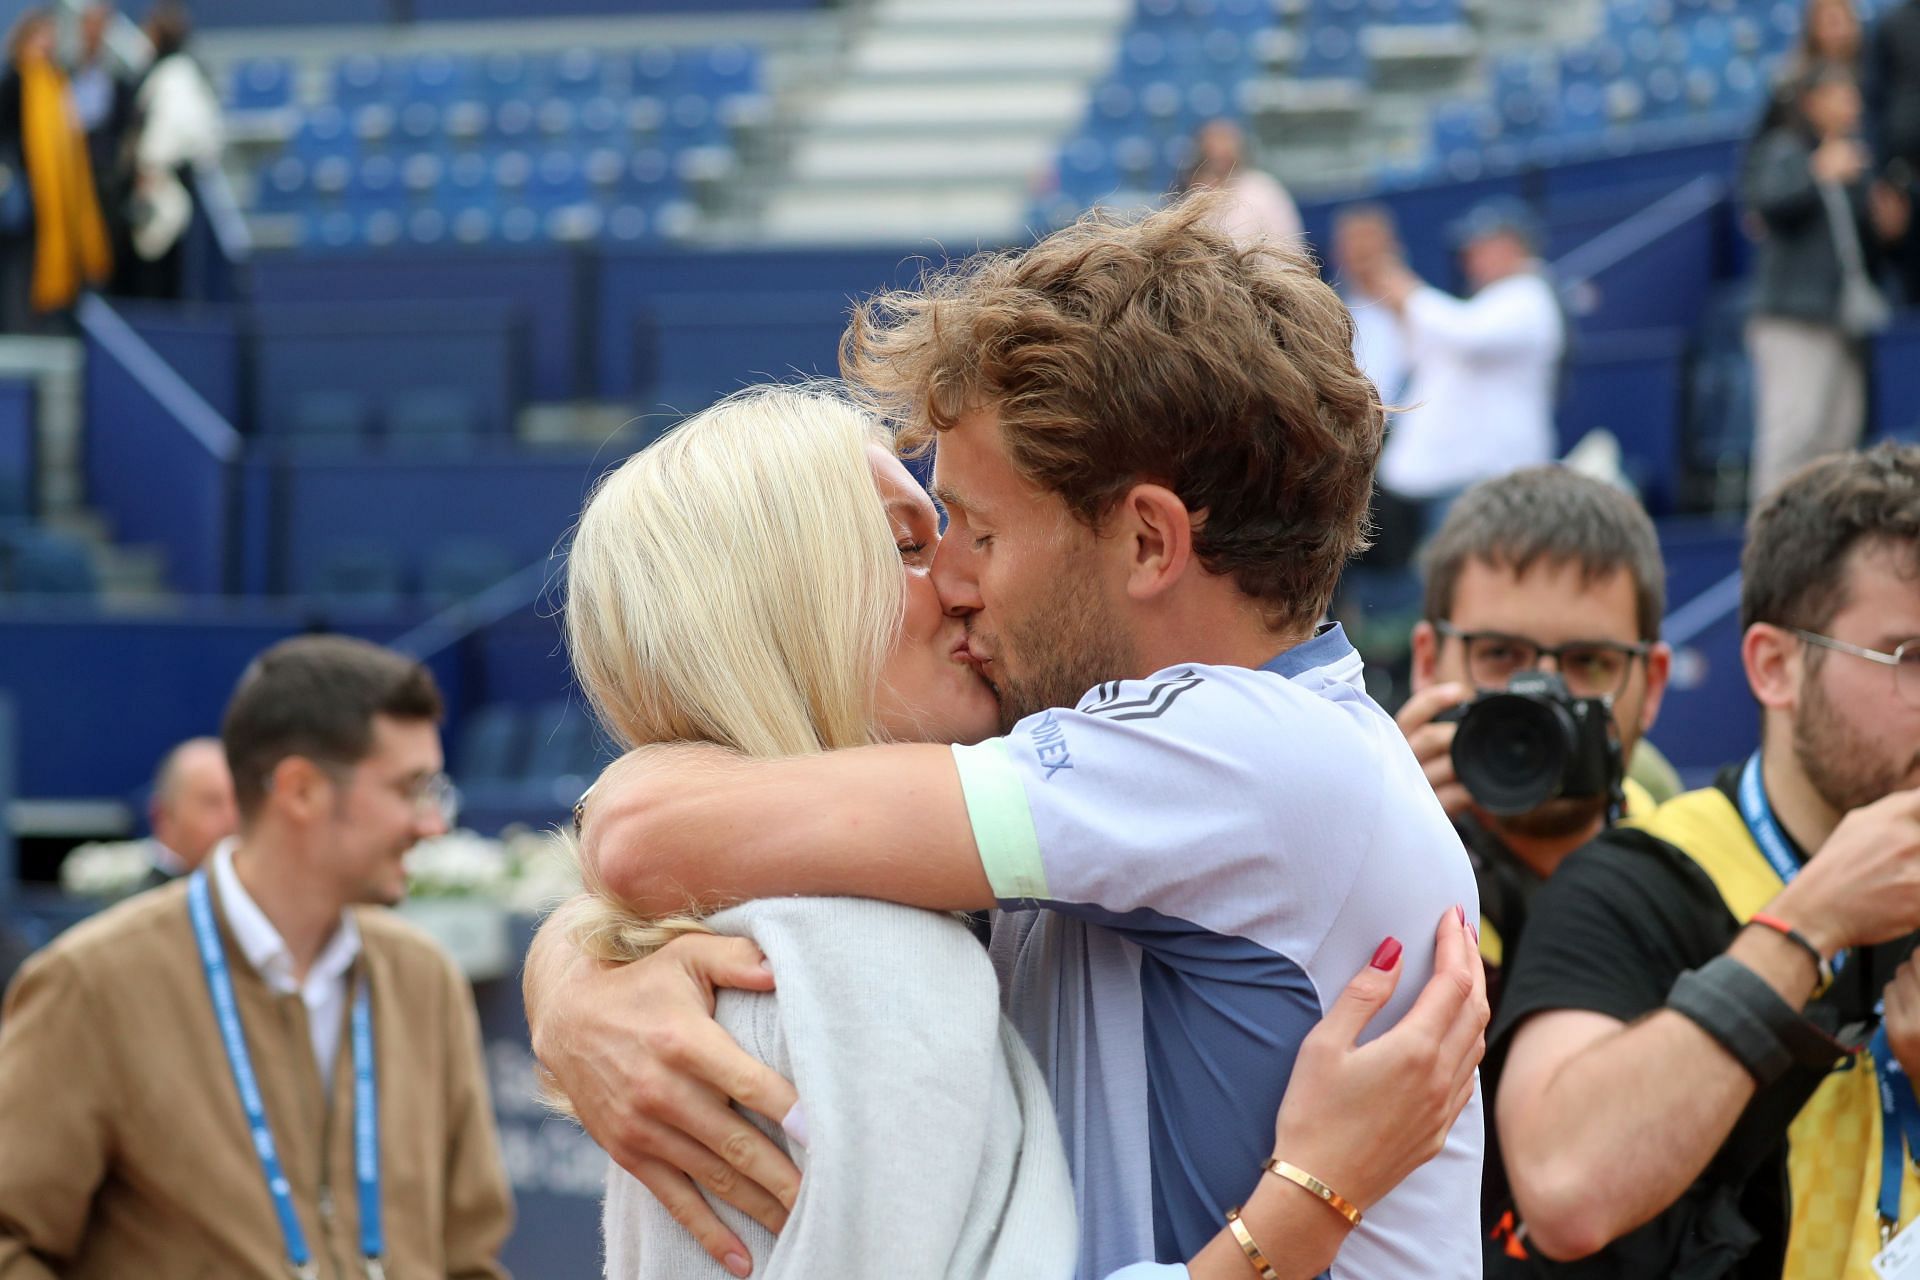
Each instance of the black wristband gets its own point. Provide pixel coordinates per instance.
(1748, 1019)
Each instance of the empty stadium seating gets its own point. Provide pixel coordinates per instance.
(582, 145)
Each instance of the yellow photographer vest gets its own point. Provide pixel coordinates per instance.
(1833, 1159)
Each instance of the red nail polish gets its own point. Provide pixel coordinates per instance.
(1460, 914)
(1388, 955)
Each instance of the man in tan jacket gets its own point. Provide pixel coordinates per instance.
(255, 1071)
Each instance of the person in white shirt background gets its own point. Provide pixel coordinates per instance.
(1364, 234)
(1256, 207)
(1482, 369)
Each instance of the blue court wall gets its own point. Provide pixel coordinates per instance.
(379, 351)
(1896, 381)
(158, 462)
(1630, 384)
(99, 699)
(202, 343)
(299, 508)
(19, 450)
(549, 290)
(1709, 717)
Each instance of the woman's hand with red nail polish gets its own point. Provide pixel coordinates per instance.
(1362, 1117)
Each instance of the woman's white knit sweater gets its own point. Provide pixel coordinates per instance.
(932, 1149)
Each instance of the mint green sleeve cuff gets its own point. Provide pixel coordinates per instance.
(1002, 822)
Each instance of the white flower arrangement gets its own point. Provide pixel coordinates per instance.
(462, 886)
(107, 869)
(523, 871)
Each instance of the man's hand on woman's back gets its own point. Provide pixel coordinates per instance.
(651, 1076)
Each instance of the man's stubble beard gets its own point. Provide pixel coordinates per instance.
(1067, 644)
(1840, 766)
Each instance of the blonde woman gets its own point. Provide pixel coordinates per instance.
(758, 580)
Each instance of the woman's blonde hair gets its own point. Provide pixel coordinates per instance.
(735, 583)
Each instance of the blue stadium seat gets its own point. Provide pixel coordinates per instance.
(506, 75)
(260, 84)
(654, 70)
(431, 415)
(16, 494)
(427, 226)
(493, 746)
(360, 574)
(463, 568)
(565, 744)
(1088, 172)
(361, 80)
(329, 416)
(375, 183)
(44, 562)
(1349, 15)
(1334, 52)
(575, 73)
(323, 132)
(436, 79)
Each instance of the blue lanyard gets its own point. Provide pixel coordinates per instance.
(1899, 1128)
(366, 1127)
(1764, 826)
(1767, 832)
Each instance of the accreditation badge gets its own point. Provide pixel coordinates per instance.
(1900, 1260)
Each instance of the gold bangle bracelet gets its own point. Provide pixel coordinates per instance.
(1261, 1266)
(1301, 1178)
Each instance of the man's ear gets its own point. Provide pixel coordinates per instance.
(298, 788)
(1659, 663)
(1426, 655)
(1773, 659)
(1155, 532)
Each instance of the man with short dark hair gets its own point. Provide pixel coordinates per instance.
(318, 1059)
(1543, 569)
(1692, 979)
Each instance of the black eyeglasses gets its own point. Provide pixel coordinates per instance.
(1591, 668)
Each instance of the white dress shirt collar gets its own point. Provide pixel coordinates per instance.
(325, 990)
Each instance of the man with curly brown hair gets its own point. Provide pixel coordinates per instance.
(1155, 453)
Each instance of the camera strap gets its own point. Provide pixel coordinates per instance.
(1767, 831)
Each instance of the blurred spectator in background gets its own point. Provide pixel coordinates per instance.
(1893, 81)
(177, 128)
(53, 241)
(1257, 206)
(102, 93)
(241, 1022)
(192, 807)
(103, 101)
(1815, 301)
(1365, 235)
(1829, 34)
(1483, 370)
(191, 810)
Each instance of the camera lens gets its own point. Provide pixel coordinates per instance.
(1511, 751)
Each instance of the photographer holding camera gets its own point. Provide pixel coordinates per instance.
(1691, 1064)
(1535, 674)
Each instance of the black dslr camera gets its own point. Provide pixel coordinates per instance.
(1532, 742)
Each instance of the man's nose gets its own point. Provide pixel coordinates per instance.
(953, 579)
